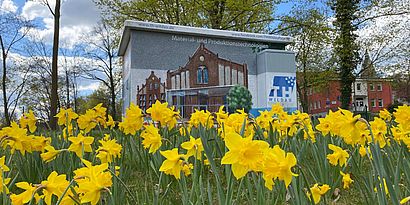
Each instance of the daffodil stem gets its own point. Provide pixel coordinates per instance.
(124, 185)
(65, 191)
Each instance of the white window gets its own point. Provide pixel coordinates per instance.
(380, 102)
(234, 76)
(187, 78)
(358, 86)
(371, 86)
(373, 102)
(318, 104)
(221, 70)
(228, 75)
(379, 87)
(240, 78)
(314, 105)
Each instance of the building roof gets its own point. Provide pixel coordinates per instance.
(195, 31)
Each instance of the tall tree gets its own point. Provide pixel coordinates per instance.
(309, 26)
(102, 45)
(250, 15)
(54, 63)
(345, 46)
(13, 29)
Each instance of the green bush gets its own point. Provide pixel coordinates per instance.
(239, 97)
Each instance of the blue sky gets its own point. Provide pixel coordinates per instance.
(77, 18)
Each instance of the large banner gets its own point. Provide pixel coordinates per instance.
(282, 89)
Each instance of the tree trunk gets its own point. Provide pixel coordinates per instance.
(54, 68)
(3, 82)
(67, 88)
(112, 90)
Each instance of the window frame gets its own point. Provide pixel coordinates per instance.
(380, 104)
(201, 72)
(373, 102)
(381, 87)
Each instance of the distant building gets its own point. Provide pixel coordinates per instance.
(368, 95)
(151, 91)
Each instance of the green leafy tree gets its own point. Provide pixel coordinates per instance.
(346, 48)
(308, 24)
(239, 97)
(250, 15)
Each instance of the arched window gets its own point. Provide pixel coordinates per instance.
(205, 74)
(199, 76)
(202, 75)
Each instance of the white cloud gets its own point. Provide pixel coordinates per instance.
(8, 6)
(33, 9)
(78, 17)
(90, 87)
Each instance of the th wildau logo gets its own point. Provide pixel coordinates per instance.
(282, 89)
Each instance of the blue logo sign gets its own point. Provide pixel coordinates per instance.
(282, 89)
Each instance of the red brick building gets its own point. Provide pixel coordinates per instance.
(151, 91)
(204, 81)
(368, 95)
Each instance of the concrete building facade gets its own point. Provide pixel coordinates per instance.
(258, 61)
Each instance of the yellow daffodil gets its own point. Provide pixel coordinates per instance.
(339, 156)
(244, 154)
(133, 120)
(87, 121)
(54, 185)
(277, 110)
(29, 120)
(39, 143)
(80, 144)
(174, 163)
(235, 122)
(151, 138)
(346, 179)
(184, 131)
(379, 129)
(201, 117)
(3, 167)
(278, 164)
(24, 197)
(109, 150)
(324, 126)
(318, 192)
(405, 200)
(65, 116)
(110, 122)
(4, 181)
(362, 151)
(402, 116)
(385, 115)
(16, 138)
(221, 115)
(264, 119)
(161, 113)
(384, 184)
(194, 147)
(50, 155)
(91, 181)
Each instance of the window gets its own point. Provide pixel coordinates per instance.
(314, 105)
(358, 86)
(371, 86)
(379, 87)
(318, 104)
(373, 102)
(380, 102)
(202, 75)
